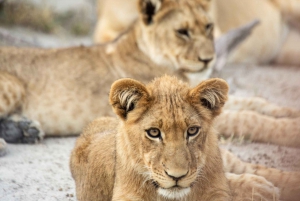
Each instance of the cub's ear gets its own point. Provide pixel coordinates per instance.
(212, 94)
(148, 8)
(126, 94)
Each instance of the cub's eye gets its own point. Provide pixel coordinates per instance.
(153, 133)
(183, 32)
(193, 131)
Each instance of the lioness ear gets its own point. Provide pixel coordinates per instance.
(211, 94)
(229, 42)
(125, 95)
(148, 9)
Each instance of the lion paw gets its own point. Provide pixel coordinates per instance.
(252, 187)
(18, 129)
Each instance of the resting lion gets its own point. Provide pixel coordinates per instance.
(163, 147)
(279, 19)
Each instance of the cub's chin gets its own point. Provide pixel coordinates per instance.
(174, 193)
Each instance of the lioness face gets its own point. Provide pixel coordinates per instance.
(180, 34)
(167, 129)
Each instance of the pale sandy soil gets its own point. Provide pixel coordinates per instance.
(41, 172)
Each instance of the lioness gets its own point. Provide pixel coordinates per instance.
(58, 91)
(64, 89)
(163, 147)
(114, 16)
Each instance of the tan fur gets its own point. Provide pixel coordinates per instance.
(117, 160)
(277, 17)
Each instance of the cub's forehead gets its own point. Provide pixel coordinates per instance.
(184, 4)
(187, 14)
(170, 103)
(171, 113)
(183, 10)
(168, 87)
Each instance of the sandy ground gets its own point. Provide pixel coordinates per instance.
(41, 172)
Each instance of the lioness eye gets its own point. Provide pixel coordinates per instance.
(183, 32)
(192, 131)
(209, 27)
(153, 133)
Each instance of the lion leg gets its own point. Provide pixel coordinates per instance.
(287, 182)
(15, 128)
(261, 106)
(260, 128)
(251, 187)
(94, 171)
(11, 93)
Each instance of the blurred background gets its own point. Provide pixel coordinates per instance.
(47, 23)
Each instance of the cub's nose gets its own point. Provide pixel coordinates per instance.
(176, 175)
(205, 60)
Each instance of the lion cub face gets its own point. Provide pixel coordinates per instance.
(178, 33)
(168, 129)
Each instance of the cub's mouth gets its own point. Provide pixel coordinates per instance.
(174, 192)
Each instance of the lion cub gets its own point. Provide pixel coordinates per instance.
(163, 146)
